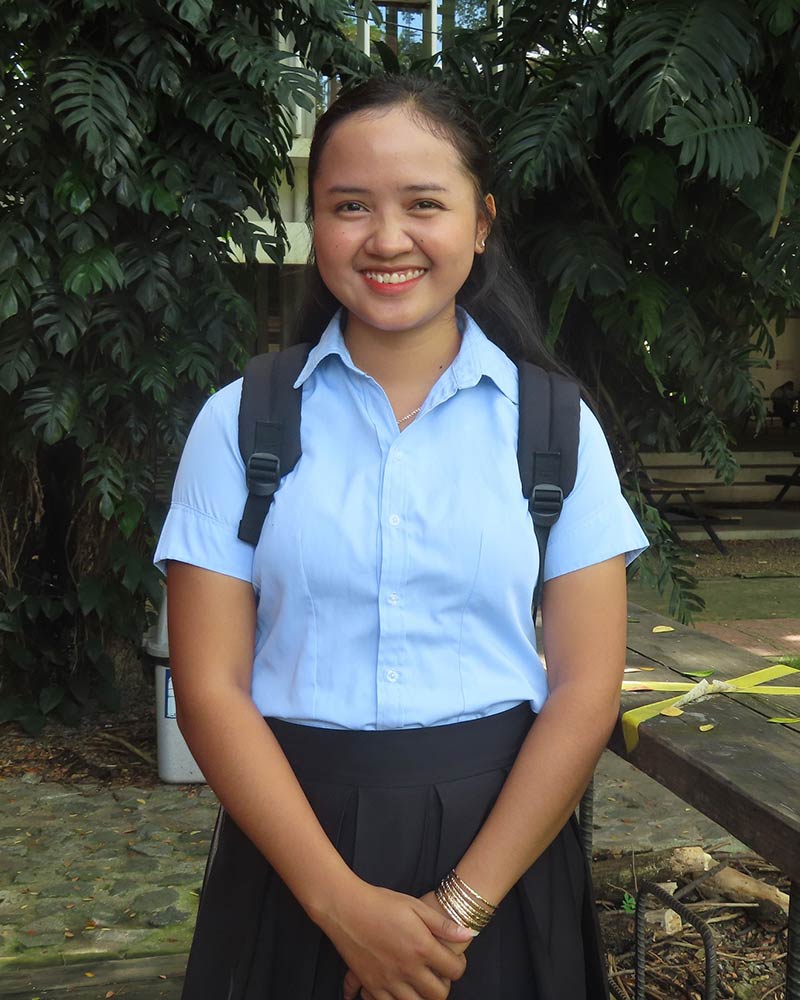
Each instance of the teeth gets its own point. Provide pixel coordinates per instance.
(395, 278)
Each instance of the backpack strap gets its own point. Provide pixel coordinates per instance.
(547, 450)
(269, 430)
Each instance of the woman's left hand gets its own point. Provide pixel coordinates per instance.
(351, 983)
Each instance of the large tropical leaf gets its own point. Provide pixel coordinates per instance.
(584, 256)
(780, 15)
(669, 52)
(720, 138)
(93, 96)
(648, 185)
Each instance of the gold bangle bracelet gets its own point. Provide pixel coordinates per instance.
(462, 903)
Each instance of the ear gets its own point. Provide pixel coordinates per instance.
(485, 220)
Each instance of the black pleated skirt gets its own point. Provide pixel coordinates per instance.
(402, 807)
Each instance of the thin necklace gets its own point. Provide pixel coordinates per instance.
(408, 416)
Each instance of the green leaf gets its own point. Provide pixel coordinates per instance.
(8, 301)
(50, 698)
(719, 138)
(53, 408)
(90, 272)
(194, 12)
(92, 594)
(74, 191)
(19, 357)
(105, 473)
(648, 184)
(92, 96)
(583, 256)
(669, 52)
(697, 673)
(780, 15)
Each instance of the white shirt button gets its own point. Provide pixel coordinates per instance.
(391, 676)
(399, 456)
(393, 598)
(394, 520)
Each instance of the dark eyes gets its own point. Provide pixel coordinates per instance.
(354, 207)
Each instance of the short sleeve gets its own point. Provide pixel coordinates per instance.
(209, 494)
(596, 522)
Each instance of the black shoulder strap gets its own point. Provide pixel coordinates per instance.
(269, 430)
(547, 450)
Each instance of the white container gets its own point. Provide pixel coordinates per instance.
(176, 764)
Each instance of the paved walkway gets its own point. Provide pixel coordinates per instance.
(91, 876)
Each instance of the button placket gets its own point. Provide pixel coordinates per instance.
(393, 556)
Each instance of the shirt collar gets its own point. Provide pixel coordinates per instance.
(477, 357)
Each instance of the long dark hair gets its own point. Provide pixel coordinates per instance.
(494, 294)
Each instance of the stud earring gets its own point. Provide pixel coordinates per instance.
(483, 244)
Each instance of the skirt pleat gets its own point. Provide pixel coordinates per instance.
(401, 807)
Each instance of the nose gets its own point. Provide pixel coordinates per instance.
(388, 236)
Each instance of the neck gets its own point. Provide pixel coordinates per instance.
(405, 363)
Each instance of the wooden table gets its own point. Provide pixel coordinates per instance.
(745, 773)
(788, 481)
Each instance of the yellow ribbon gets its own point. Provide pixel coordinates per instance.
(746, 684)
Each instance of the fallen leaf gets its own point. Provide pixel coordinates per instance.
(162, 977)
(706, 728)
(142, 802)
(697, 673)
(647, 668)
(671, 711)
(631, 670)
(68, 934)
(787, 720)
(663, 628)
(89, 975)
(110, 993)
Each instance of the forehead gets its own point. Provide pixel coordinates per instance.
(389, 146)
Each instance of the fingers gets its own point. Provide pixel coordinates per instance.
(445, 928)
(351, 986)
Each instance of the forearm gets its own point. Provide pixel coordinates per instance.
(552, 770)
(246, 767)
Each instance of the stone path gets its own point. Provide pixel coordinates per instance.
(89, 875)
(98, 887)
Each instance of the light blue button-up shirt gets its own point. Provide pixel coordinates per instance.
(395, 571)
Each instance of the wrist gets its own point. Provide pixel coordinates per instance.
(326, 900)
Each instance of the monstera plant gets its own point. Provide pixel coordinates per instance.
(138, 141)
(648, 155)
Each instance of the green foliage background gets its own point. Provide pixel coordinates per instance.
(136, 138)
(647, 165)
(648, 156)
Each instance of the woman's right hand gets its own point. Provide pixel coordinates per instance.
(393, 945)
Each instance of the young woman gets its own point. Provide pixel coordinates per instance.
(363, 692)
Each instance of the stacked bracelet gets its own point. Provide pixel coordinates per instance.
(462, 903)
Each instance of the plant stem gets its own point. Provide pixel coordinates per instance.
(787, 168)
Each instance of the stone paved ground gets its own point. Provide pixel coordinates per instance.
(90, 875)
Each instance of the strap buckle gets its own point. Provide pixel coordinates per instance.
(263, 473)
(546, 503)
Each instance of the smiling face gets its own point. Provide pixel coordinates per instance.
(396, 223)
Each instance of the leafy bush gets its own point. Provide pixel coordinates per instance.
(650, 172)
(139, 140)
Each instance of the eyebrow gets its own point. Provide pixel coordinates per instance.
(411, 188)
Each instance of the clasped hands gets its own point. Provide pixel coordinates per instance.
(396, 947)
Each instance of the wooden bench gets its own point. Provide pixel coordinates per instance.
(787, 481)
(658, 493)
(744, 773)
(749, 485)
